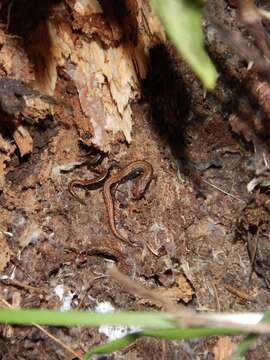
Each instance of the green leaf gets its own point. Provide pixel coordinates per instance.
(182, 20)
(167, 334)
(150, 320)
(153, 324)
(111, 346)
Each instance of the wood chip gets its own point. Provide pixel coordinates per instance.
(185, 287)
(182, 292)
(223, 348)
(3, 159)
(5, 253)
(23, 140)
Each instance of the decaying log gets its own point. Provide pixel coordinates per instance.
(99, 50)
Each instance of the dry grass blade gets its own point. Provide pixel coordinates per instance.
(136, 289)
(184, 317)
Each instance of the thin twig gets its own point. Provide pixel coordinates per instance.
(223, 191)
(239, 293)
(59, 342)
(12, 282)
(154, 252)
(216, 297)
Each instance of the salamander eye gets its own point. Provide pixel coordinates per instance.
(138, 172)
(134, 173)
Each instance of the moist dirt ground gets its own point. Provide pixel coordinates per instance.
(202, 237)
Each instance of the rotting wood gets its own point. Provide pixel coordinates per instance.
(100, 56)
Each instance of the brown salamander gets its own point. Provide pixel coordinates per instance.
(141, 169)
(87, 182)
